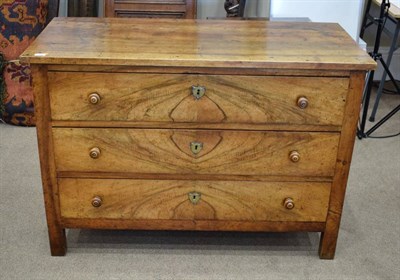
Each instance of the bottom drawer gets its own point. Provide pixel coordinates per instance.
(193, 200)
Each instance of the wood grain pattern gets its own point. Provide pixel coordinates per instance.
(328, 242)
(168, 98)
(47, 165)
(168, 151)
(247, 124)
(208, 225)
(151, 9)
(198, 70)
(208, 126)
(168, 200)
(200, 43)
(199, 177)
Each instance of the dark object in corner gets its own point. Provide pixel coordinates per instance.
(53, 8)
(234, 8)
(82, 8)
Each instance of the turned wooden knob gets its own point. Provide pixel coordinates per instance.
(94, 152)
(94, 98)
(294, 156)
(302, 102)
(96, 201)
(288, 203)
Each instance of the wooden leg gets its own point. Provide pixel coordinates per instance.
(327, 244)
(329, 237)
(58, 243)
(47, 161)
(327, 247)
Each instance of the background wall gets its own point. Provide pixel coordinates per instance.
(63, 8)
(347, 13)
(215, 8)
(205, 8)
(369, 37)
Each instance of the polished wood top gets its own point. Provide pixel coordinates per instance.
(197, 43)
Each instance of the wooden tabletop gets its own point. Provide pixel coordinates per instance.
(197, 43)
(394, 9)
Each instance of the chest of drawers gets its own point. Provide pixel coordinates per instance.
(185, 127)
(150, 8)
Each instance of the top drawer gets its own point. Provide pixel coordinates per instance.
(219, 99)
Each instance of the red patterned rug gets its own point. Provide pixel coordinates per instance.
(20, 23)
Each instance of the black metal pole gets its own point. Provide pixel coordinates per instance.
(367, 95)
(376, 56)
(242, 6)
(383, 120)
(364, 23)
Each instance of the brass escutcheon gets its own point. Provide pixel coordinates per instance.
(196, 147)
(194, 197)
(198, 91)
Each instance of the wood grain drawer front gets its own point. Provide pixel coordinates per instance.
(175, 151)
(169, 98)
(218, 200)
(154, 8)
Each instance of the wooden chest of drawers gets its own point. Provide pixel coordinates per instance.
(150, 8)
(186, 127)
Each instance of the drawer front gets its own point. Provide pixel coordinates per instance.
(152, 151)
(171, 98)
(193, 200)
(150, 9)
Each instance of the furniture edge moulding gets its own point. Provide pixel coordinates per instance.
(198, 225)
(197, 70)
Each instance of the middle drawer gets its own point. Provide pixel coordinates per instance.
(168, 151)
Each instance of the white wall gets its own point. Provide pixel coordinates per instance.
(395, 2)
(347, 13)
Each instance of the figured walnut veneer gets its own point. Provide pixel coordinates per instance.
(150, 124)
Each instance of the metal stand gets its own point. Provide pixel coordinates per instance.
(370, 77)
(383, 80)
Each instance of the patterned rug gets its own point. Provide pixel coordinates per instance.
(20, 23)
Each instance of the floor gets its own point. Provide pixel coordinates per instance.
(368, 245)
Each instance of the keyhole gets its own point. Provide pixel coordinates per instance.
(194, 197)
(198, 91)
(196, 147)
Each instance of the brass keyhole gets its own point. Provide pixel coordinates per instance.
(194, 197)
(196, 147)
(198, 91)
